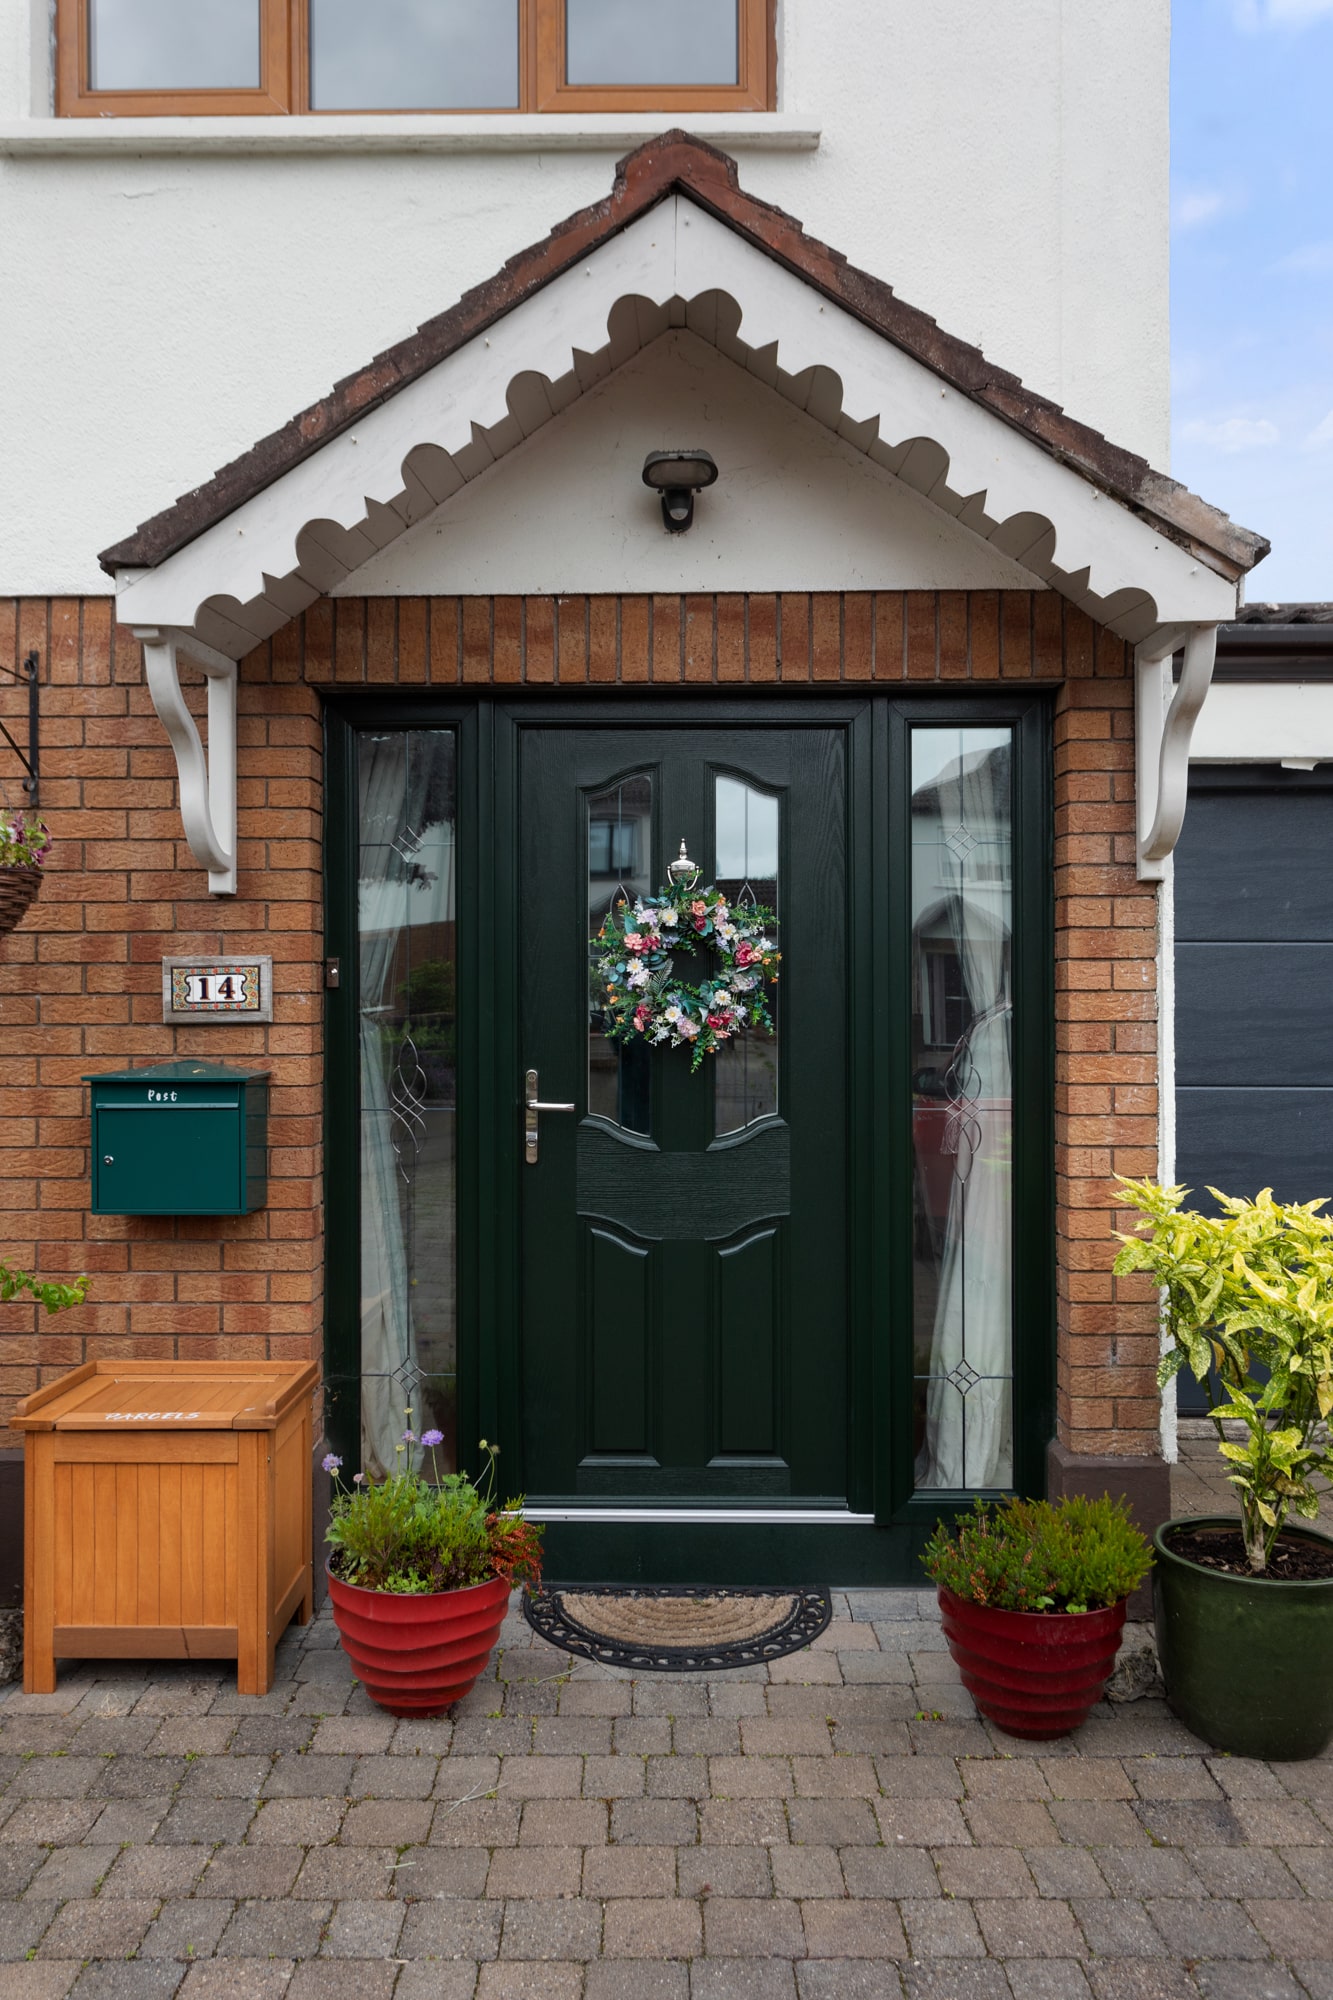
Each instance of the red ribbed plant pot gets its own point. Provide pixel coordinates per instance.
(1035, 1673)
(417, 1655)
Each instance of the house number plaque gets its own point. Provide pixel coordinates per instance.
(217, 989)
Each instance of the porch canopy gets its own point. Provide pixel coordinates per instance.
(677, 244)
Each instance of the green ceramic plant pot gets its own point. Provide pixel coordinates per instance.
(1247, 1661)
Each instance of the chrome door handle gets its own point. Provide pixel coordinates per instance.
(532, 1109)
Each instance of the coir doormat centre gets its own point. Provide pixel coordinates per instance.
(676, 1629)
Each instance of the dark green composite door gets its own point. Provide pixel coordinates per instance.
(684, 1237)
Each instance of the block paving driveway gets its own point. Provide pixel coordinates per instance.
(837, 1826)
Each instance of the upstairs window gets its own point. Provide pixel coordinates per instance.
(140, 58)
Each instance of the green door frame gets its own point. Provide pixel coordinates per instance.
(879, 902)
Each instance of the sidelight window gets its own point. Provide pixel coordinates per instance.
(146, 57)
(745, 1070)
(620, 853)
(962, 1107)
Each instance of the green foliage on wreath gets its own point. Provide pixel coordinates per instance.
(633, 955)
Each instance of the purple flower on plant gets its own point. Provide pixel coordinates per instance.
(432, 1438)
(409, 1437)
(358, 1479)
(331, 1463)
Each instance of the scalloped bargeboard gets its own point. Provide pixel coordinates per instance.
(678, 1629)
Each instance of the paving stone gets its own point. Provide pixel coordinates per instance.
(1047, 1979)
(675, 1697)
(1013, 1822)
(1118, 1927)
(847, 1979)
(272, 1927)
(947, 1739)
(540, 1929)
(187, 1929)
(244, 1872)
(94, 1929)
(475, 1823)
(1064, 1871)
(922, 1823)
(392, 1778)
(749, 1777)
(654, 1823)
(1003, 1778)
(360, 1930)
(19, 1864)
(22, 1924)
(784, 1736)
(128, 1733)
(293, 1776)
(572, 1736)
(62, 1777)
(875, 1669)
(1172, 1778)
(745, 1698)
(631, 1871)
(1028, 1927)
(467, 1929)
(343, 1979)
(153, 1979)
(984, 1871)
(563, 1823)
(597, 1698)
(56, 1823)
(1226, 1980)
(655, 1927)
(751, 1927)
(223, 1777)
(767, 1979)
(154, 1871)
(71, 1871)
(1257, 1871)
(810, 1871)
(618, 1777)
(643, 1735)
(537, 1871)
(924, 1777)
(1148, 1871)
(307, 1822)
(1316, 1976)
(1218, 1929)
(132, 1822)
(262, 1734)
(726, 1871)
(236, 1979)
(353, 1735)
(507, 1979)
(877, 1736)
(334, 1872)
(1086, 1778)
(206, 1821)
(375, 1822)
(677, 1777)
(1268, 1823)
(1141, 1979)
(1110, 1822)
(869, 1927)
(937, 1928)
(38, 1979)
(1294, 1929)
(492, 1736)
(541, 1777)
(425, 1872)
(633, 1980)
(1246, 1778)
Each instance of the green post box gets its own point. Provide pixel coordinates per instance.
(179, 1138)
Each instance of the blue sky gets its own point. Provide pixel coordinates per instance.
(1252, 275)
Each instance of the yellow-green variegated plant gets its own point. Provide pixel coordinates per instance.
(1251, 1287)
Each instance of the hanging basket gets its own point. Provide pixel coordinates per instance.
(18, 888)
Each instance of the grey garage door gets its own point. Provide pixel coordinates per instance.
(1254, 986)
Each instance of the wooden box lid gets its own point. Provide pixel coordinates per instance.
(128, 1396)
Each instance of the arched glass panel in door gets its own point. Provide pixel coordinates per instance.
(746, 839)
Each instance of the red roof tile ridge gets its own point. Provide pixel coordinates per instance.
(679, 162)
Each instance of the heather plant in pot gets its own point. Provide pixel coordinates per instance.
(1032, 1595)
(420, 1574)
(24, 847)
(1244, 1608)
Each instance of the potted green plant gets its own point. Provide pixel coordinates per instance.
(24, 846)
(420, 1575)
(1244, 1608)
(1032, 1596)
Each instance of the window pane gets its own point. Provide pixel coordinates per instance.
(640, 41)
(962, 915)
(745, 1070)
(408, 1066)
(620, 855)
(174, 44)
(403, 55)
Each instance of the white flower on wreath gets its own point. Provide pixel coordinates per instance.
(637, 976)
(726, 932)
(667, 918)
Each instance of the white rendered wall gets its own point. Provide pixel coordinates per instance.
(1004, 168)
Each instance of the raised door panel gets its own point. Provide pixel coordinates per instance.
(620, 1347)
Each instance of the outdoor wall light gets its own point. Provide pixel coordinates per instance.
(678, 476)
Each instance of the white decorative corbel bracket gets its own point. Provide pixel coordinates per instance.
(207, 778)
(1163, 736)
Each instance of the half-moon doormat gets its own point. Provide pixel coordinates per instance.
(675, 1628)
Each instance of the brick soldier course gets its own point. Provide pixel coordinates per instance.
(837, 1826)
(80, 979)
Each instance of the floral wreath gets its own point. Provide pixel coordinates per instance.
(632, 959)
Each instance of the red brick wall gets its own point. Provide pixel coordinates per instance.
(80, 984)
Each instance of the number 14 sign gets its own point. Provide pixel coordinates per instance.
(218, 989)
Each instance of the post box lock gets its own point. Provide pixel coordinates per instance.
(179, 1138)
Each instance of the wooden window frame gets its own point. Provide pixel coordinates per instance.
(284, 86)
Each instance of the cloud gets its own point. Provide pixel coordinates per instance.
(1231, 434)
(1202, 206)
(1321, 437)
(1252, 17)
(1312, 260)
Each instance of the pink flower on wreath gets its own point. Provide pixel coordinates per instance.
(698, 908)
(633, 941)
(744, 954)
(643, 1013)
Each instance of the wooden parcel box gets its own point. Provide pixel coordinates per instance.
(167, 1514)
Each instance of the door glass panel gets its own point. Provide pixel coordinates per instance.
(400, 55)
(962, 1017)
(642, 42)
(620, 852)
(745, 1070)
(168, 45)
(406, 971)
